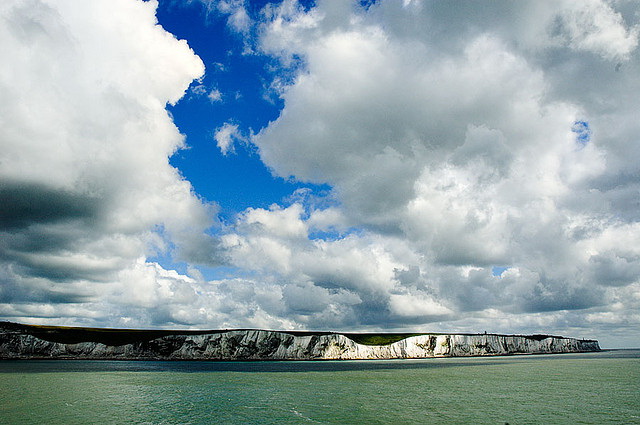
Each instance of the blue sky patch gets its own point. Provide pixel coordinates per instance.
(498, 270)
(582, 131)
(239, 82)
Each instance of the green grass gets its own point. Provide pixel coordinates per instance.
(379, 339)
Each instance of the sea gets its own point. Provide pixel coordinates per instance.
(588, 388)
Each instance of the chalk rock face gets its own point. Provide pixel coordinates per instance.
(274, 345)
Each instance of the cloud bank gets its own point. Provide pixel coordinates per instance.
(481, 160)
(465, 142)
(85, 185)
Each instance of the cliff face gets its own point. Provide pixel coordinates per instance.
(272, 345)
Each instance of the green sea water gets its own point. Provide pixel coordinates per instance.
(593, 388)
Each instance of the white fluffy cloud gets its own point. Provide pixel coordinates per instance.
(85, 182)
(226, 136)
(453, 131)
(595, 27)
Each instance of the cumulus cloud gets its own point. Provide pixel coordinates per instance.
(226, 137)
(215, 95)
(87, 190)
(348, 281)
(470, 137)
(238, 18)
(594, 26)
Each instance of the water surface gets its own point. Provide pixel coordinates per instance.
(591, 388)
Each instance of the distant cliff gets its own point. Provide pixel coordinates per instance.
(30, 342)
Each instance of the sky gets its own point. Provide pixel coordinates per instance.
(390, 165)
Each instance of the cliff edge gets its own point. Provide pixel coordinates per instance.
(36, 342)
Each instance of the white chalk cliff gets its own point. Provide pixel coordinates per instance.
(275, 345)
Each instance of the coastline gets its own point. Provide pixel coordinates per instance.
(25, 342)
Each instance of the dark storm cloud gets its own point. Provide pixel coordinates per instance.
(25, 204)
(615, 269)
(550, 295)
(37, 221)
(13, 291)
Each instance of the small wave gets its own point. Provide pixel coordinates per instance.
(300, 415)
